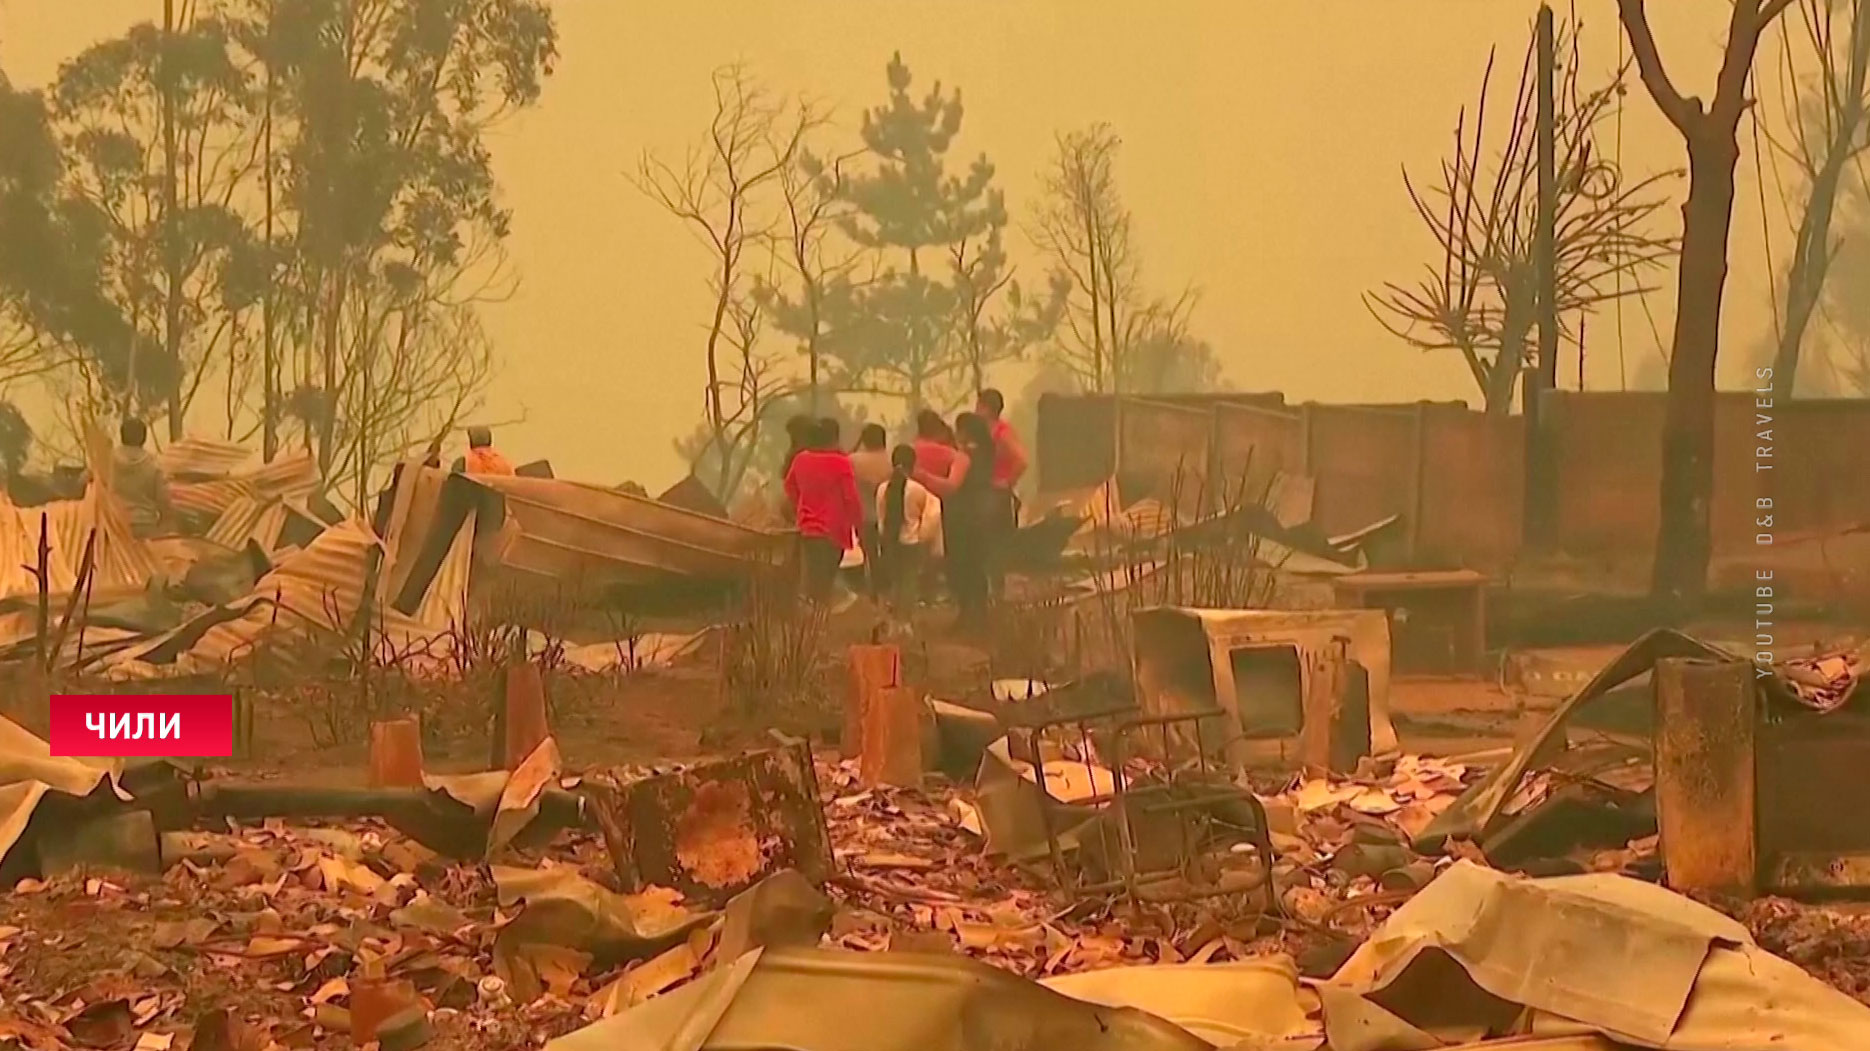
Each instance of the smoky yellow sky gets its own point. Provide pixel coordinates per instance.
(1263, 145)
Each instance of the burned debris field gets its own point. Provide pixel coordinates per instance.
(598, 527)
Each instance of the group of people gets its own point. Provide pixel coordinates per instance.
(950, 491)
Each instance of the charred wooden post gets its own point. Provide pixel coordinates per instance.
(42, 575)
(892, 731)
(874, 668)
(520, 721)
(1706, 719)
(396, 753)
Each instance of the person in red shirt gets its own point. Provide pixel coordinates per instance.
(823, 491)
(934, 444)
(1009, 455)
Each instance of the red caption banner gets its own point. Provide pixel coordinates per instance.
(114, 726)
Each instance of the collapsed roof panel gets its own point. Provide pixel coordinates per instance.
(571, 531)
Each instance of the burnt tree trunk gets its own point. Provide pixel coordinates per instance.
(1684, 539)
(1711, 134)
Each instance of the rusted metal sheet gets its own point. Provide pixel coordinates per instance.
(716, 829)
(1807, 764)
(567, 530)
(1707, 714)
(293, 477)
(313, 593)
(124, 563)
(196, 457)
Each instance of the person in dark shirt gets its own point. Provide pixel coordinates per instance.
(823, 491)
(970, 509)
(870, 462)
(1009, 466)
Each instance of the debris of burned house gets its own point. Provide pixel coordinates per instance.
(1729, 761)
(714, 829)
(828, 1000)
(1595, 961)
(1676, 975)
(1306, 687)
(1438, 619)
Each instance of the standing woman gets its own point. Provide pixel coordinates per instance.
(909, 517)
(934, 443)
(969, 514)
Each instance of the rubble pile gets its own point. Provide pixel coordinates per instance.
(914, 875)
(301, 935)
(1832, 944)
(273, 925)
(1343, 844)
(1823, 683)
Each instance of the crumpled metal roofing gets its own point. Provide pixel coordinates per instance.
(309, 595)
(250, 518)
(203, 457)
(446, 602)
(292, 478)
(122, 561)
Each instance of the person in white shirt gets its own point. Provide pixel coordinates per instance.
(908, 516)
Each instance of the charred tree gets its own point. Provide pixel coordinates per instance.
(1710, 134)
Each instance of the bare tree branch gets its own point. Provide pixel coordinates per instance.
(721, 193)
(1481, 212)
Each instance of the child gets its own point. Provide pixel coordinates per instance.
(907, 513)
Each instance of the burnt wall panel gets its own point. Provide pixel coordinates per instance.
(1256, 443)
(1470, 513)
(1163, 449)
(1362, 460)
(1076, 447)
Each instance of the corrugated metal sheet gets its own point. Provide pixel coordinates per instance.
(445, 604)
(209, 498)
(309, 595)
(250, 519)
(570, 531)
(289, 477)
(122, 560)
(415, 504)
(203, 458)
(293, 478)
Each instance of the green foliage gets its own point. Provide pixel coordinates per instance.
(942, 305)
(1168, 360)
(392, 99)
(108, 106)
(389, 181)
(368, 121)
(53, 250)
(758, 464)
